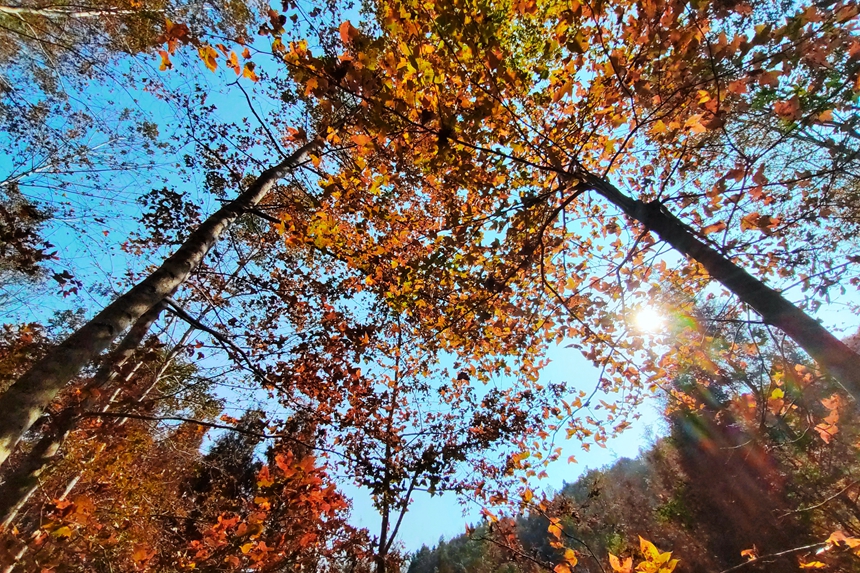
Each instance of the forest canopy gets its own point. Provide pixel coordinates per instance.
(254, 257)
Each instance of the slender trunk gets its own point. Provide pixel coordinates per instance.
(67, 12)
(829, 352)
(18, 487)
(74, 481)
(26, 400)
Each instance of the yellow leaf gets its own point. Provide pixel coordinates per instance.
(248, 72)
(233, 63)
(208, 55)
(658, 127)
(562, 568)
(554, 530)
(777, 394)
(648, 548)
(570, 557)
(528, 495)
(360, 140)
(247, 547)
(812, 565)
(62, 532)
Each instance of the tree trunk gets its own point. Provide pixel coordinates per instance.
(19, 486)
(69, 12)
(829, 352)
(26, 400)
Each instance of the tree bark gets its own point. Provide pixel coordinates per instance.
(26, 400)
(68, 12)
(829, 352)
(20, 485)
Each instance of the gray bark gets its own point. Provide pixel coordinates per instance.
(20, 485)
(829, 352)
(25, 401)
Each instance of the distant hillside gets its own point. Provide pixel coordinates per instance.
(706, 493)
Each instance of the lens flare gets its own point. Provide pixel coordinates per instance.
(649, 319)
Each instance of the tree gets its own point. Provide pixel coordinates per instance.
(467, 118)
(31, 393)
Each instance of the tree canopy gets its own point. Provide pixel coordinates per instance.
(253, 254)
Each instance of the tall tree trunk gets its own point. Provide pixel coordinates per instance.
(19, 486)
(25, 401)
(828, 351)
(69, 12)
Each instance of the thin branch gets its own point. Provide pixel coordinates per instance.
(763, 558)
(213, 425)
(825, 502)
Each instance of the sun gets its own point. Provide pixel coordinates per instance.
(649, 319)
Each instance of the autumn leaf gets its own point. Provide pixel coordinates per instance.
(248, 72)
(714, 228)
(209, 55)
(264, 479)
(737, 87)
(347, 32)
(165, 61)
(756, 221)
(233, 63)
(838, 538)
(618, 566)
(788, 110)
(562, 91)
(142, 553)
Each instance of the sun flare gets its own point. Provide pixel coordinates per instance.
(649, 319)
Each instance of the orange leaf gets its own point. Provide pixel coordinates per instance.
(562, 91)
(618, 566)
(347, 33)
(248, 72)
(264, 479)
(165, 61)
(714, 228)
(233, 63)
